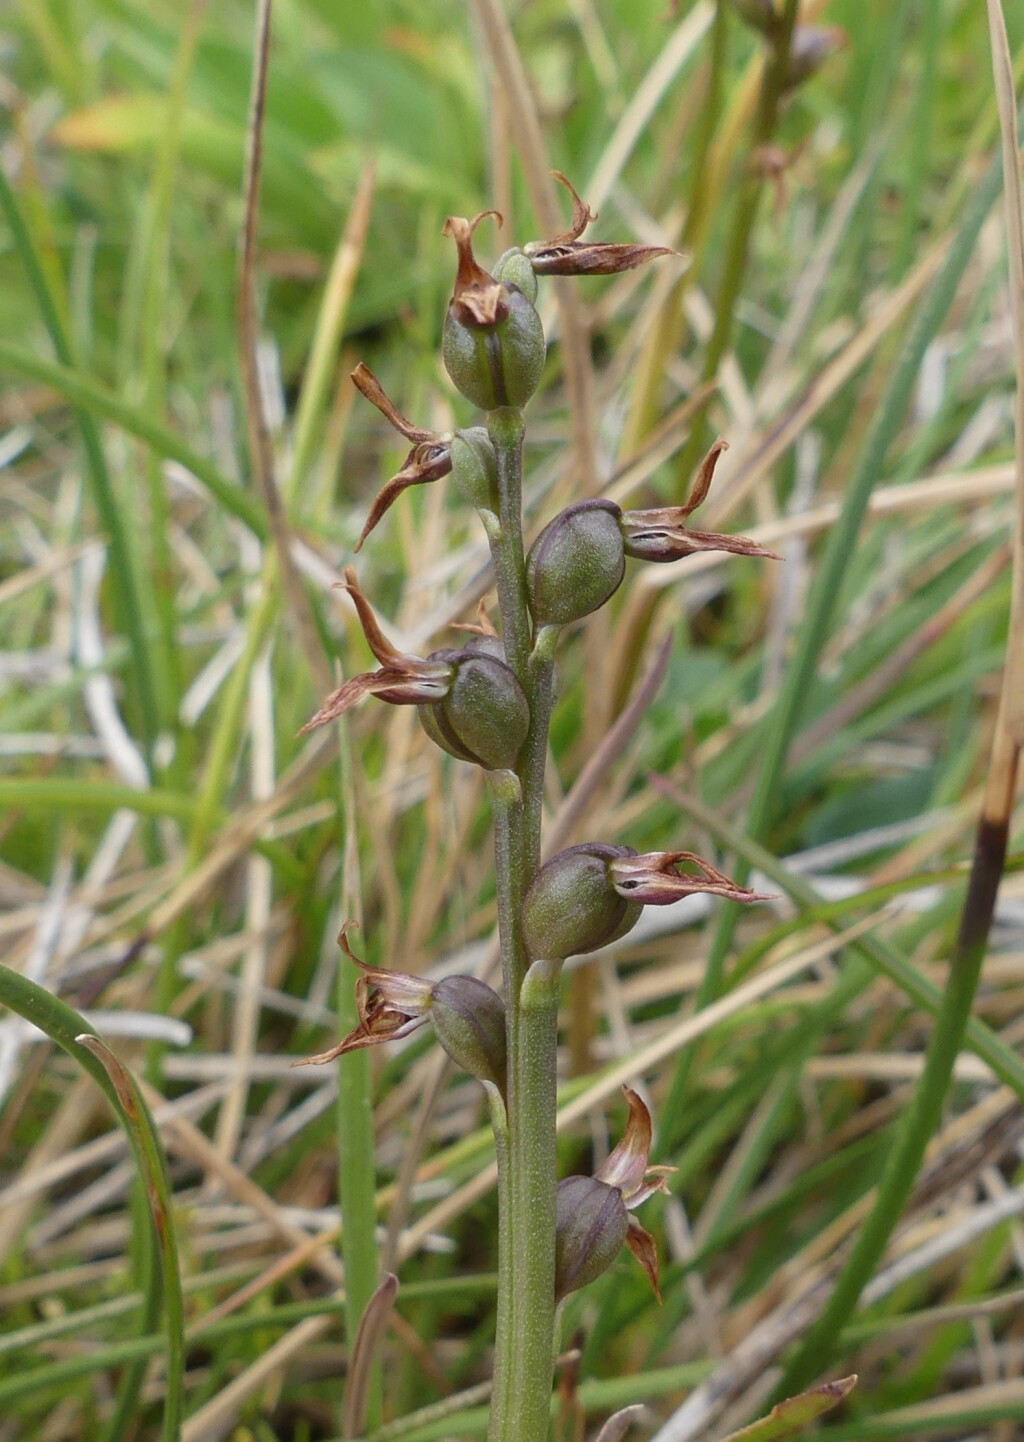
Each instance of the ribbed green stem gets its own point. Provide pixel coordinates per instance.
(501, 1380)
(540, 692)
(532, 1111)
(506, 428)
(524, 1360)
(510, 879)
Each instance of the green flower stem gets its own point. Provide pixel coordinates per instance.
(510, 877)
(540, 693)
(524, 1352)
(511, 880)
(532, 1111)
(501, 1381)
(506, 427)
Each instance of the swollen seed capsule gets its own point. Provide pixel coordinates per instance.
(576, 563)
(572, 907)
(493, 341)
(500, 364)
(590, 1229)
(485, 716)
(469, 1019)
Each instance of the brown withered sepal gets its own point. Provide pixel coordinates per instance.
(429, 459)
(478, 299)
(401, 681)
(595, 1214)
(664, 533)
(566, 254)
(389, 1005)
(654, 879)
(467, 1015)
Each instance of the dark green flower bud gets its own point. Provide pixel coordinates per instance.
(493, 342)
(485, 716)
(515, 268)
(474, 468)
(469, 1019)
(576, 563)
(572, 906)
(591, 1226)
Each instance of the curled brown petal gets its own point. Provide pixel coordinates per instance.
(378, 643)
(582, 215)
(656, 1180)
(653, 879)
(641, 1244)
(565, 254)
(483, 626)
(626, 1165)
(367, 383)
(426, 462)
(428, 683)
(662, 534)
(705, 475)
(341, 700)
(596, 258)
(389, 1005)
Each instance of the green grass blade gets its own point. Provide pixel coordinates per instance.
(126, 598)
(841, 546)
(135, 1117)
(63, 1025)
(89, 397)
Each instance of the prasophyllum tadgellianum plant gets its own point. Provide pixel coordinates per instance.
(488, 703)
